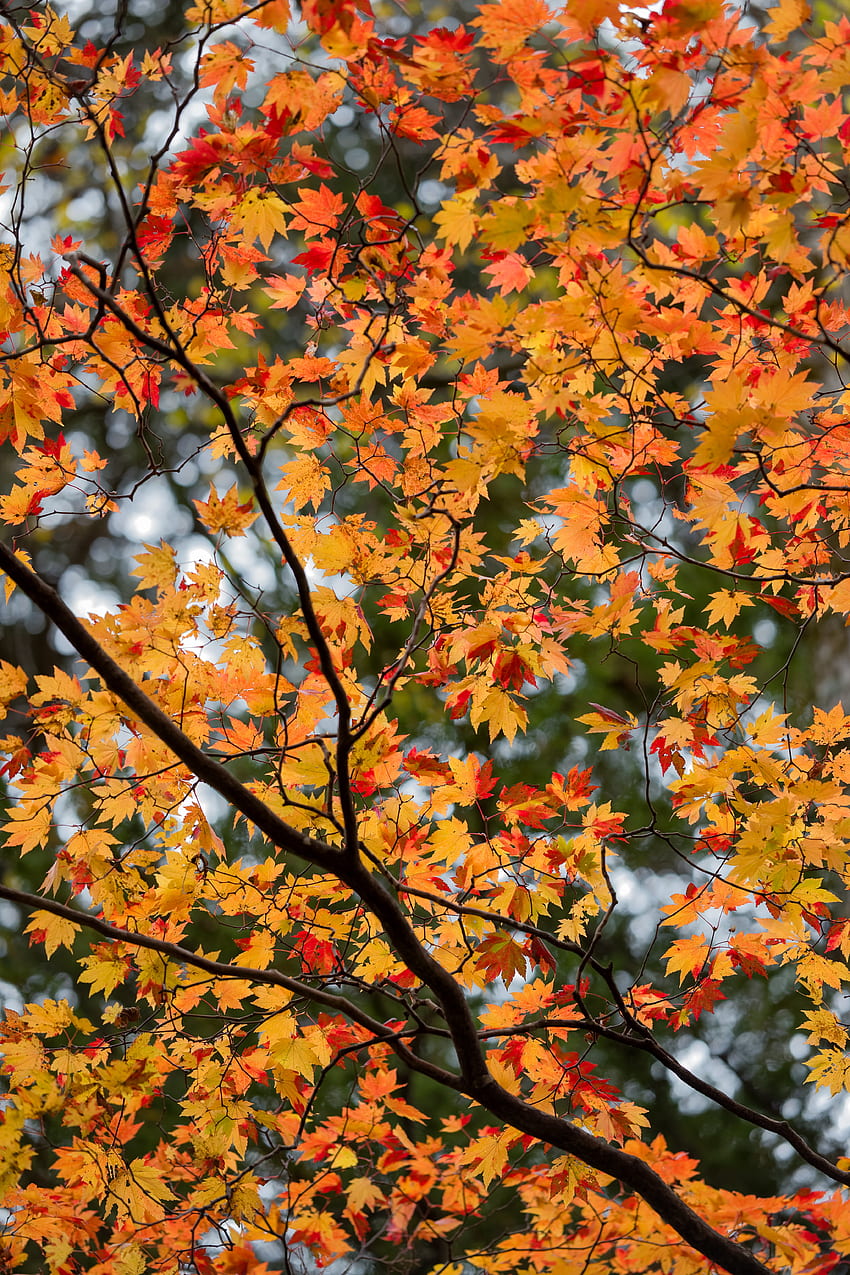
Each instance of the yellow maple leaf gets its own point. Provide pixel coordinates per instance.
(464, 790)
(362, 1194)
(506, 226)
(830, 1070)
(139, 1192)
(225, 513)
(260, 215)
(53, 931)
(157, 567)
(726, 605)
(13, 682)
(457, 220)
(489, 1154)
(294, 1055)
(501, 713)
(786, 17)
(686, 957)
(305, 479)
(27, 828)
(258, 952)
(821, 1024)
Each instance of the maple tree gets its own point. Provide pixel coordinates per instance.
(552, 374)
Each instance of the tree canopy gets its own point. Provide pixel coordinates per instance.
(425, 502)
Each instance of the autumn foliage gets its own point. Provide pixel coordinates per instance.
(555, 378)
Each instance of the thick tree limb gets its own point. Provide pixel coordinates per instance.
(475, 1079)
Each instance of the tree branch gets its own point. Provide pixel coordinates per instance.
(475, 1079)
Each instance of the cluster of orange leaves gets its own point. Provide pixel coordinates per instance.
(622, 194)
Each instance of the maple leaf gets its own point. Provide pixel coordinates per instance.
(363, 1195)
(316, 211)
(274, 14)
(469, 782)
(13, 682)
(51, 930)
(510, 273)
(500, 956)
(507, 25)
(687, 957)
(260, 215)
(500, 711)
(157, 567)
(306, 480)
(457, 220)
(298, 97)
(226, 67)
(726, 606)
(285, 290)
(612, 724)
(426, 767)
(27, 828)
(786, 17)
(226, 513)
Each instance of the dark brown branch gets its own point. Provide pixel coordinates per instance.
(640, 1038)
(780, 1127)
(475, 1079)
